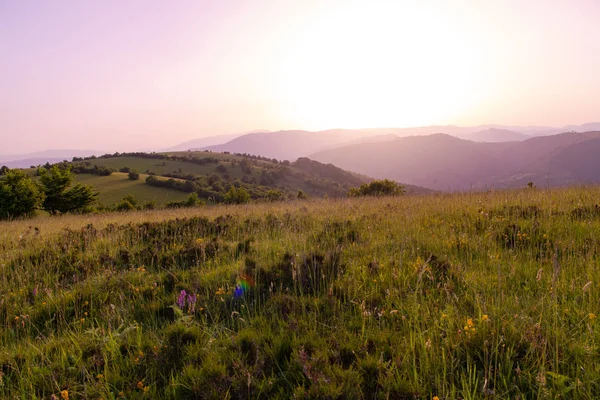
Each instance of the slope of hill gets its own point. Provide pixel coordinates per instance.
(446, 163)
(209, 141)
(212, 175)
(286, 145)
(114, 187)
(453, 297)
(495, 135)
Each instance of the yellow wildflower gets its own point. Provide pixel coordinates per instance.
(592, 316)
(64, 394)
(485, 318)
(140, 385)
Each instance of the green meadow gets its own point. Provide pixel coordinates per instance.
(114, 187)
(475, 296)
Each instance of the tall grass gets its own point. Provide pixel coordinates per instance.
(487, 295)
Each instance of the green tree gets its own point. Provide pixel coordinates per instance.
(376, 187)
(237, 195)
(4, 170)
(19, 195)
(134, 175)
(62, 195)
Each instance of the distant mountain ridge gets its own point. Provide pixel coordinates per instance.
(443, 162)
(492, 135)
(289, 145)
(42, 157)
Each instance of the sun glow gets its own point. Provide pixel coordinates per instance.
(365, 66)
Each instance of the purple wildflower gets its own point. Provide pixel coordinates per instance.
(181, 299)
(191, 300)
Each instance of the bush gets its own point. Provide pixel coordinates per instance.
(383, 187)
(237, 196)
(134, 175)
(128, 203)
(274, 195)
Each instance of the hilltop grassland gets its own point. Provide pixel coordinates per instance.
(114, 187)
(488, 295)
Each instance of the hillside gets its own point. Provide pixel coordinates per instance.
(443, 162)
(207, 141)
(113, 188)
(291, 144)
(212, 175)
(495, 135)
(482, 295)
(285, 145)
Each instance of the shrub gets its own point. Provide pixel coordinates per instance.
(383, 187)
(237, 196)
(134, 175)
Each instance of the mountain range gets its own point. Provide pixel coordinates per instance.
(435, 157)
(291, 144)
(444, 162)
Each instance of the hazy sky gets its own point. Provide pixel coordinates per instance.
(124, 74)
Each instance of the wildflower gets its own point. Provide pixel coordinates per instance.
(469, 328)
(435, 398)
(191, 300)
(592, 316)
(199, 241)
(64, 394)
(100, 376)
(140, 385)
(181, 299)
(485, 318)
(220, 292)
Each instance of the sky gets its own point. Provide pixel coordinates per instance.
(124, 75)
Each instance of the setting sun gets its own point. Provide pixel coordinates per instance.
(394, 64)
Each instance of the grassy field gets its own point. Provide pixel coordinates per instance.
(491, 295)
(114, 187)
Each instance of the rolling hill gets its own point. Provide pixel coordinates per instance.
(495, 135)
(212, 175)
(291, 144)
(286, 145)
(443, 162)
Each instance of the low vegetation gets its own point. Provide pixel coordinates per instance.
(489, 295)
